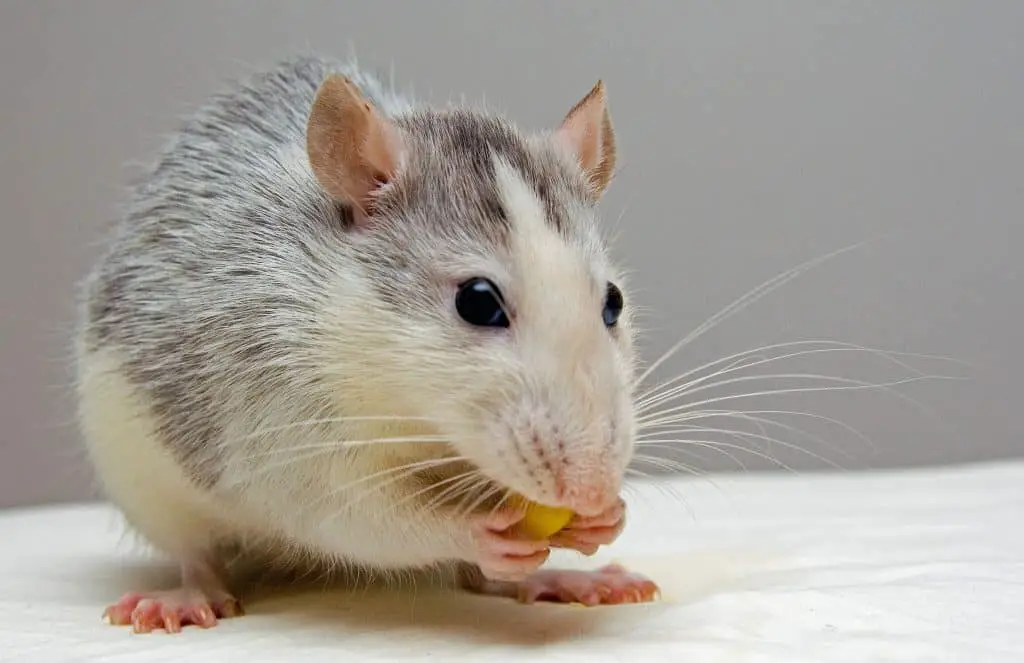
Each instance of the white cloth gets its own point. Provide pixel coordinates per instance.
(901, 566)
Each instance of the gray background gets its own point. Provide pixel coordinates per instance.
(754, 136)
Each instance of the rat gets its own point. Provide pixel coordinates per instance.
(336, 328)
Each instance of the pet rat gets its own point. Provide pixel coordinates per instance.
(335, 327)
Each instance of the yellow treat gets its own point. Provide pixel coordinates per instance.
(541, 521)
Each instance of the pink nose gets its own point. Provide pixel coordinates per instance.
(587, 499)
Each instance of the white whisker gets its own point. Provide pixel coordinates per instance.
(715, 445)
(459, 482)
(749, 298)
(834, 346)
(330, 420)
(689, 453)
(342, 445)
(742, 434)
(848, 385)
(664, 487)
(309, 452)
(465, 510)
(667, 394)
(402, 472)
(751, 415)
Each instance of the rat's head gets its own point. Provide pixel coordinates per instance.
(489, 301)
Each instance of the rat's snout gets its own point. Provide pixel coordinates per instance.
(582, 472)
(587, 491)
(565, 437)
(557, 456)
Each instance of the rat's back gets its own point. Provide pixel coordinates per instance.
(200, 310)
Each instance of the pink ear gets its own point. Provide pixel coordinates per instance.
(587, 131)
(352, 149)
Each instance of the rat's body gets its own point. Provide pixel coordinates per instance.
(276, 332)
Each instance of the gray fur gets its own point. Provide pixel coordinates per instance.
(214, 285)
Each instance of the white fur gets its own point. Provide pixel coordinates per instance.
(137, 472)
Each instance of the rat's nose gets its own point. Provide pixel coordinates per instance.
(590, 497)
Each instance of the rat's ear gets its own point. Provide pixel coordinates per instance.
(352, 148)
(587, 131)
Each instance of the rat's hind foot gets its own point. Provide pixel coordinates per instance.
(200, 601)
(171, 609)
(608, 585)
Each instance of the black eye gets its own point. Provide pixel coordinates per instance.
(612, 305)
(479, 303)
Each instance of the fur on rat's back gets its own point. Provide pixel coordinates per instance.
(196, 332)
(232, 308)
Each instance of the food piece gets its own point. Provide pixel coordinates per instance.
(540, 521)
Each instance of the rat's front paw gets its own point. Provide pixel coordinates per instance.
(587, 534)
(502, 553)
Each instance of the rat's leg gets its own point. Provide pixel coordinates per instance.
(159, 498)
(202, 598)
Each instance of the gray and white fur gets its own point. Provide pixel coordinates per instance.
(249, 357)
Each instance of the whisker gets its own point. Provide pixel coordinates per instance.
(747, 299)
(474, 484)
(662, 486)
(667, 464)
(657, 441)
(480, 488)
(458, 481)
(330, 420)
(751, 415)
(402, 471)
(739, 436)
(665, 393)
(857, 385)
(714, 445)
(341, 445)
(743, 434)
(310, 452)
(665, 444)
(654, 394)
(465, 509)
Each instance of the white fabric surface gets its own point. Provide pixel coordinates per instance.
(906, 566)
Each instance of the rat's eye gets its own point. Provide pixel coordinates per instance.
(612, 305)
(479, 303)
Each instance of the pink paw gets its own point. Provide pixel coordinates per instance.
(609, 585)
(587, 534)
(170, 610)
(501, 554)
